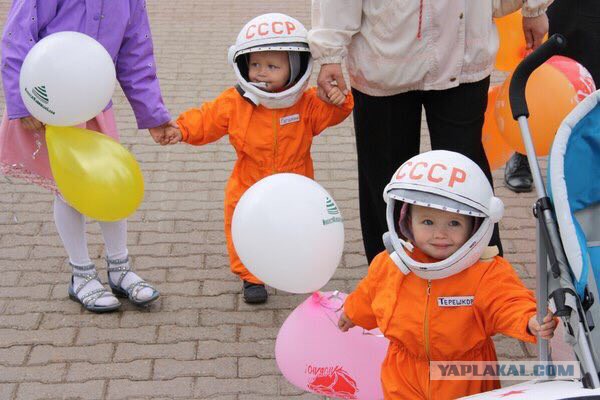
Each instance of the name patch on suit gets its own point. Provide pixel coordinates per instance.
(456, 301)
(289, 119)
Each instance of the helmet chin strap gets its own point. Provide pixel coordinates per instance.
(252, 97)
(389, 246)
(407, 245)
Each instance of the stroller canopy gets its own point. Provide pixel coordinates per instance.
(574, 188)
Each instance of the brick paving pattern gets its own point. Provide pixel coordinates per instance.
(200, 340)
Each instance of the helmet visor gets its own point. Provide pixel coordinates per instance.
(426, 199)
(296, 46)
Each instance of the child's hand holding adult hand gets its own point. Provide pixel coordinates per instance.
(173, 134)
(158, 133)
(329, 74)
(164, 134)
(31, 124)
(546, 329)
(344, 323)
(336, 96)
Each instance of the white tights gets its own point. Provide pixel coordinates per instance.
(70, 224)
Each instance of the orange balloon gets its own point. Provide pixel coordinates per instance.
(512, 41)
(550, 97)
(496, 149)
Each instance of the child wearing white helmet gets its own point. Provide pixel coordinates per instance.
(439, 293)
(270, 116)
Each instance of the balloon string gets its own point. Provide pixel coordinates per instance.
(366, 332)
(38, 145)
(337, 311)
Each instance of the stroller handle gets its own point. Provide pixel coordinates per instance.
(516, 93)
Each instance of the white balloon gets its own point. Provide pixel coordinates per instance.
(66, 79)
(288, 232)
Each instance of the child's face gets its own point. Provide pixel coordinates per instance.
(439, 233)
(270, 67)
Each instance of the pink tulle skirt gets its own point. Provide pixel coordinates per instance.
(24, 155)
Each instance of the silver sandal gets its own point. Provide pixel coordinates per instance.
(88, 301)
(132, 290)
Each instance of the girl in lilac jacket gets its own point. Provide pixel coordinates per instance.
(122, 28)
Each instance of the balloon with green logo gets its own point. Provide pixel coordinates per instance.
(288, 231)
(66, 79)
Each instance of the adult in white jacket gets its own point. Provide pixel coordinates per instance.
(403, 55)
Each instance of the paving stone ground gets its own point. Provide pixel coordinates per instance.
(200, 340)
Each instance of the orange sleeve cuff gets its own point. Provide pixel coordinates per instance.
(184, 132)
(349, 309)
(349, 103)
(527, 336)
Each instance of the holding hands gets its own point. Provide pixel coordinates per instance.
(167, 133)
(331, 84)
(336, 96)
(173, 134)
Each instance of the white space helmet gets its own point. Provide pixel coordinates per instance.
(447, 181)
(273, 32)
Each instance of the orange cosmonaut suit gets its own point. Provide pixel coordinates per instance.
(267, 141)
(440, 310)
(409, 312)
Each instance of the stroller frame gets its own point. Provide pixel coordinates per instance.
(553, 277)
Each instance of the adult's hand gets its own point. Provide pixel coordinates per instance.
(31, 124)
(535, 28)
(330, 75)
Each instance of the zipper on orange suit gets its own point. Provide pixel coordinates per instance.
(426, 333)
(274, 141)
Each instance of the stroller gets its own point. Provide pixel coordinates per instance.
(568, 235)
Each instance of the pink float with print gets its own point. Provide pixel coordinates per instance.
(314, 355)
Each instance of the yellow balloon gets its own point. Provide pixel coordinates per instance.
(94, 173)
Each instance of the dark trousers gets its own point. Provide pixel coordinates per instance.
(579, 22)
(388, 133)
